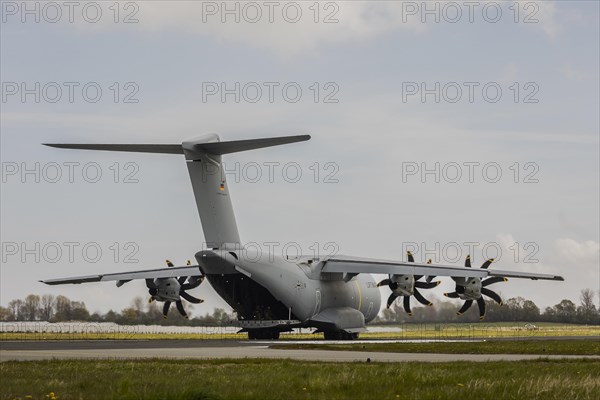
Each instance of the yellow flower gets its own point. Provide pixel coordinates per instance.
(460, 384)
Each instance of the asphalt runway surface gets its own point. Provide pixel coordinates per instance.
(211, 349)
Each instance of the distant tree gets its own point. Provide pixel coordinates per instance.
(31, 307)
(16, 309)
(79, 311)
(530, 311)
(129, 316)
(111, 316)
(565, 311)
(6, 314)
(586, 312)
(47, 307)
(63, 309)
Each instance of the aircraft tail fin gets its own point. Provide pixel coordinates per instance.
(203, 158)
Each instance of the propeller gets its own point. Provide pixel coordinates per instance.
(407, 286)
(473, 289)
(184, 283)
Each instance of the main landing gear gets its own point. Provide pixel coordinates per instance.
(340, 335)
(264, 334)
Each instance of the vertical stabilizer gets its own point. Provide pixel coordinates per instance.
(211, 193)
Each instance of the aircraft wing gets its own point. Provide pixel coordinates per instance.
(171, 272)
(356, 265)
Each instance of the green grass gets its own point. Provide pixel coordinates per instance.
(281, 379)
(542, 347)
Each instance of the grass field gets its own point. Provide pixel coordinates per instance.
(270, 379)
(408, 331)
(541, 347)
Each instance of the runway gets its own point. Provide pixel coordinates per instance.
(24, 351)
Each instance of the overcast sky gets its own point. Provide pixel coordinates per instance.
(495, 88)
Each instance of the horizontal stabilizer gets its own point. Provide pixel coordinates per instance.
(235, 146)
(137, 148)
(213, 147)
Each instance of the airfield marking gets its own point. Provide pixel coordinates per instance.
(264, 352)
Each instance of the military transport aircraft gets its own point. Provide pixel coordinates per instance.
(336, 294)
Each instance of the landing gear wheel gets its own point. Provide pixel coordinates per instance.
(264, 334)
(340, 335)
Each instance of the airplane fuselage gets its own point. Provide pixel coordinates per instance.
(267, 287)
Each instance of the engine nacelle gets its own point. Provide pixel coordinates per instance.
(167, 289)
(468, 288)
(402, 285)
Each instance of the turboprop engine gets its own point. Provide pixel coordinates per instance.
(406, 286)
(169, 290)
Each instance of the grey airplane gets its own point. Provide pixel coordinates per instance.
(271, 294)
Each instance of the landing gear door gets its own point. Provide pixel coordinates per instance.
(317, 302)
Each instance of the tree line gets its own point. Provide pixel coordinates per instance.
(517, 309)
(61, 309)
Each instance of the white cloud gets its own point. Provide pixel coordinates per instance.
(273, 30)
(546, 15)
(578, 253)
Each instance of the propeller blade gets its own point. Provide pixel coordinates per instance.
(194, 284)
(421, 299)
(452, 295)
(394, 285)
(486, 264)
(190, 298)
(492, 295)
(481, 305)
(417, 277)
(180, 308)
(427, 285)
(492, 280)
(407, 305)
(181, 280)
(169, 263)
(410, 256)
(166, 308)
(391, 300)
(429, 278)
(150, 284)
(465, 307)
(468, 261)
(384, 282)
